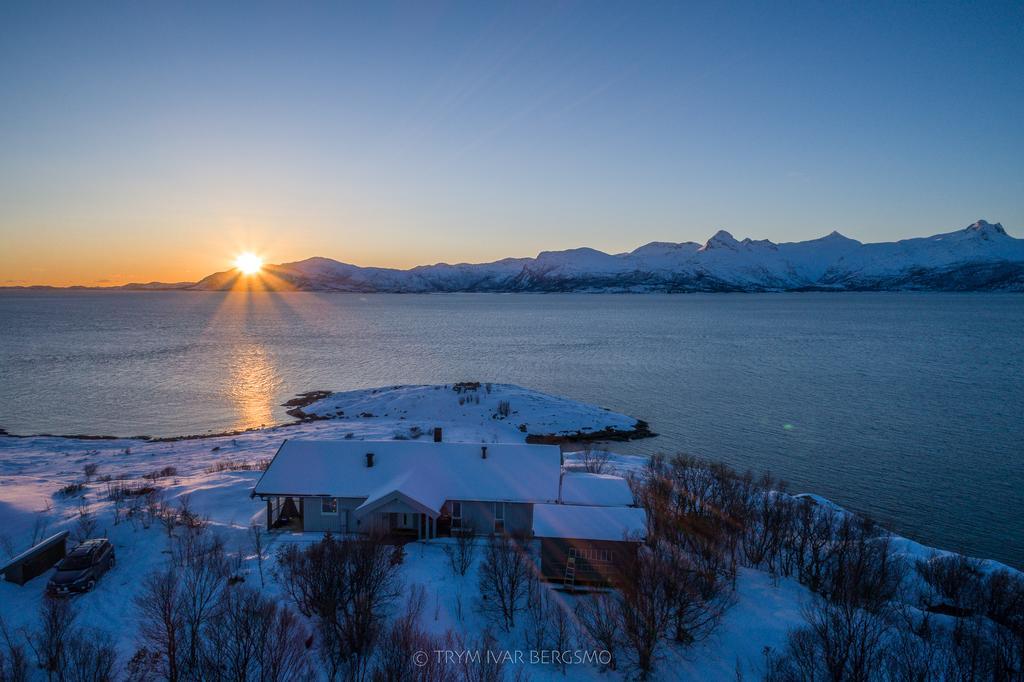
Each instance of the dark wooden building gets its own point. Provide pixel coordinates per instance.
(585, 545)
(36, 560)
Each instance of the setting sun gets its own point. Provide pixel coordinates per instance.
(249, 263)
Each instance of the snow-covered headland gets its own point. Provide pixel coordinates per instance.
(44, 488)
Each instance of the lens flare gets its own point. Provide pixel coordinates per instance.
(248, 263)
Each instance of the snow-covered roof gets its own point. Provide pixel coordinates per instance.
(427, 472)
(588, 522)
(597, 489)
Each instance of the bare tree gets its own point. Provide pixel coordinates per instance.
(598, 617)
(14, 665)
(168, 517)
(862, 570)
(250, 638)
(505, 575)
(50, 641)
(644, 609)
(256, 534)
(85, 523)
(840, 642)
(407, 651)
(487, 664)
(202, 574)
(955, 581)
(595, 461)
(346, 585)
(162, 623)
(91, 656)
(696, 589)
(461, 551)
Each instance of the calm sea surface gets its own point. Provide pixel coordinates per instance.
(906, 406)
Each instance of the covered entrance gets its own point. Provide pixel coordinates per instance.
(284, 513)
(397, 516)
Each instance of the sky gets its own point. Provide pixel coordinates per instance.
(154, 141)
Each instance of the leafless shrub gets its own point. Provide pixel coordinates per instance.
(1003, 602)
(85, 522)
(487, 664)
(407, 652)
(814, 528)
(548, 625)
(461, 550)
(595, 461)
(238, 465)
(90, 470)
(862, 571)
(249, 637)
(161, 610)
(955, 581)
(504, 409)
(696, 589)
(203, 576)
(71, 489)
(91, 656)
(165, 472)
(189, 518)
(645, 610)
(50, 642)
(168, 517)
(123, 490)
(14, 664)
(773, 518)
(505, 575)
(152, 506)
(346, 585)
(256, 535)
(598, 617)
(914, 655)
(839, 642)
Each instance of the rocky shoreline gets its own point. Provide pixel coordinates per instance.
(296, 409)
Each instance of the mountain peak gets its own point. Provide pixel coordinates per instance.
(985, 226)
(721, 239)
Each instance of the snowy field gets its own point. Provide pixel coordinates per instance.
(205, 471)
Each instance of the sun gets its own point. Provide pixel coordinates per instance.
(248, 263)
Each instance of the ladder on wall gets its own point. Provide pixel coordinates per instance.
(570, 573)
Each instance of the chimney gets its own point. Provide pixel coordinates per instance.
(369, 459)
(437, 434)
(483, 452)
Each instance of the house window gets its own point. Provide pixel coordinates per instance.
(456, 515)
(328, 505)
(499, 517)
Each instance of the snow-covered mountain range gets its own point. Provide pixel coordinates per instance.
(981, 256)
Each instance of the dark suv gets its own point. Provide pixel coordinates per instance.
(79, 570)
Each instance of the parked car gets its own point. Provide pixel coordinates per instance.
(82, 567)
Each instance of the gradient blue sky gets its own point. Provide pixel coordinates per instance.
(152, 141)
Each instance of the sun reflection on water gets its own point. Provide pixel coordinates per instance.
(254, 379)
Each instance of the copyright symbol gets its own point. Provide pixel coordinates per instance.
(420, 658)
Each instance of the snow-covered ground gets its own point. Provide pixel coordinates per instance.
(34, 469)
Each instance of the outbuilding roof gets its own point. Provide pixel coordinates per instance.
(596, 489)
(589, 522)
(427, 472)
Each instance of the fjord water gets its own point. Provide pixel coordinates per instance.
(907, 406)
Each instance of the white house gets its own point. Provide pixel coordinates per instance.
(427, 489)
